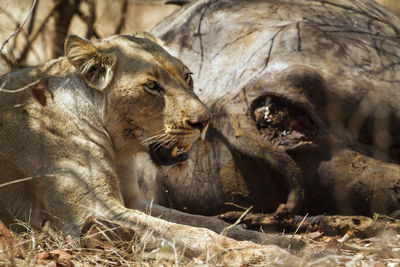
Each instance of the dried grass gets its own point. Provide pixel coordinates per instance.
(34, 245)
(44, 248)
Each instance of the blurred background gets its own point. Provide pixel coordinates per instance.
(391, 4)
(46, 23)
(32, 31)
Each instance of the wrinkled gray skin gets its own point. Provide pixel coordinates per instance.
(334, 62)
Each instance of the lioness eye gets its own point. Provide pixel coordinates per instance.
(153, 88)
(189, 79)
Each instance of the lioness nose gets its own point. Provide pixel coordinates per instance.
(200, 121)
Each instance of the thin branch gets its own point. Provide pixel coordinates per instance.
(84, 18)
(121, 23)
(7, 60)
(32, 21)
(19, 89)
(33, 37)
(226, 229)
(19, 28)
(25, 179)
(16, 181)
(90, 19)
(300, 224)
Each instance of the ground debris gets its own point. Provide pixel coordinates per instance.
(360, 226)
(8, 244)
(100, 233)
(350, 250)
(335, 240)
(40, 248)
(59, 257)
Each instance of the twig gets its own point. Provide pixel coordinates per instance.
(235, 205)
(19, 28)
(32, 38)
(19, 89)
(346, 236)
(301, 223)
(23, 180)
(16, 181)
(14, 106)
(19, 244)
(226, 229)
(9, 58)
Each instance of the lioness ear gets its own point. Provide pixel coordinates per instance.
(94, 67)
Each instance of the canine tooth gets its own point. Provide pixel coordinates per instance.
(174, 151)
(267, 101)
(187, 148)
(203, 133)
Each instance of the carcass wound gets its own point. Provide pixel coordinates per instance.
(283, 123)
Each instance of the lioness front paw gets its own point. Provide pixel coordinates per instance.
(282, 212)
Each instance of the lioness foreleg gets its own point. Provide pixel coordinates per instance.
(195, 241)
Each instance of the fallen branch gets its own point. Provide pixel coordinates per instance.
(329, 224)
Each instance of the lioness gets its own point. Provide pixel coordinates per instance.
(70, 157)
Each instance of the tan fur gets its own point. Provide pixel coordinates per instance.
(78, 149)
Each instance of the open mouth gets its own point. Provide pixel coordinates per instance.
(283, 123)
(165, 156)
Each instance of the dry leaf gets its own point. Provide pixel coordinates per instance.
(8, 243)
(315, 235)
(61, 258)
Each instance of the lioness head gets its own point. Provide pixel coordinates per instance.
(147, 95)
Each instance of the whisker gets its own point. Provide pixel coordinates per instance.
(166, 141)
(158, 133)
(152, 139)
(160, 144)
(159, 140)
(155, 137)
